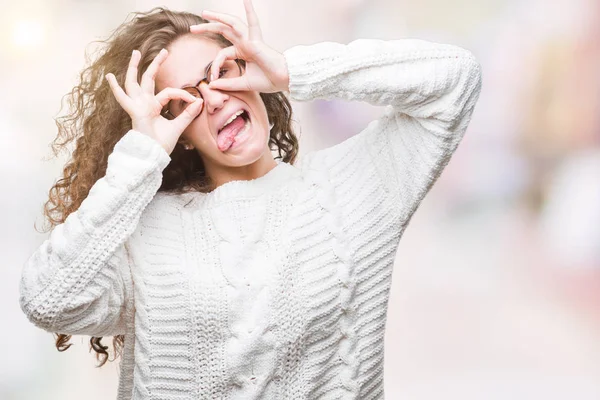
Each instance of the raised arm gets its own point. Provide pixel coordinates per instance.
(78, 281)
(430, 91)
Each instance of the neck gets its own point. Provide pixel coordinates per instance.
(222, 174)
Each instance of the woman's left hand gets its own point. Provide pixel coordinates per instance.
(266, 69)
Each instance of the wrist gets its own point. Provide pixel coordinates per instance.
(285, 76)
(141, 127)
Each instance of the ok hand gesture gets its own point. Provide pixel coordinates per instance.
(144, 107)
(266, 70)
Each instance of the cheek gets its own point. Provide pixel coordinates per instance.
(260, 110)
(197, 128)
(199, 134)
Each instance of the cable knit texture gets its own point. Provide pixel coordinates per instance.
(272, 288)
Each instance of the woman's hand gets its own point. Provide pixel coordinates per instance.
(144, 107)
(266, 70)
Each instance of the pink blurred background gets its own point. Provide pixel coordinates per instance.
(496, 289)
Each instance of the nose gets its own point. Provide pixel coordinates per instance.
(214, 99)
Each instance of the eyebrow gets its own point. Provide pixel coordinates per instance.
(206, 69)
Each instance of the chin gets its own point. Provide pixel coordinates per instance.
(246, 153)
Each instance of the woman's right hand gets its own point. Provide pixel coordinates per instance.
(144, 107)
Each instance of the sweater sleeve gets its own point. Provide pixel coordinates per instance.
(78, 281)
(429, 91)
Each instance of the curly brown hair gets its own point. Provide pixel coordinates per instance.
(96, 122)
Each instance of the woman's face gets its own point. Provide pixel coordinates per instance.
(185, 66)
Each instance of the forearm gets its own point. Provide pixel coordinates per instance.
(77, 265)
(419, 78)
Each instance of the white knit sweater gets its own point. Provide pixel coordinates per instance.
(273, 288)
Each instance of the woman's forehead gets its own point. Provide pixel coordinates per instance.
(188, 57)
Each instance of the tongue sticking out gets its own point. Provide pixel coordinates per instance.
(226, 137)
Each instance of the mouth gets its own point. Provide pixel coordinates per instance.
(227, 134)
(242, 113)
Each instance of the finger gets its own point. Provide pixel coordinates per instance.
(188, 115)
(168, 94)
(228, 53)
(230, 84)
(131, 81)
(254, 32)
(218, 27)
(150, 74)
(234, 22)
(119, 93)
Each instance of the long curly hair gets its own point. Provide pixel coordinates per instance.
(96, 122)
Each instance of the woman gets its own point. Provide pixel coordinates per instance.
(222, 270)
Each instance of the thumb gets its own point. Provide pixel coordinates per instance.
(231, 84)
(188, 115)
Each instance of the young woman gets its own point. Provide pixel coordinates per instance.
(221, 270)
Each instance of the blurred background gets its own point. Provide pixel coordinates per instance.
(496, 288)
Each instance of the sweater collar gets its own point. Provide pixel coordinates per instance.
(273, 180)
